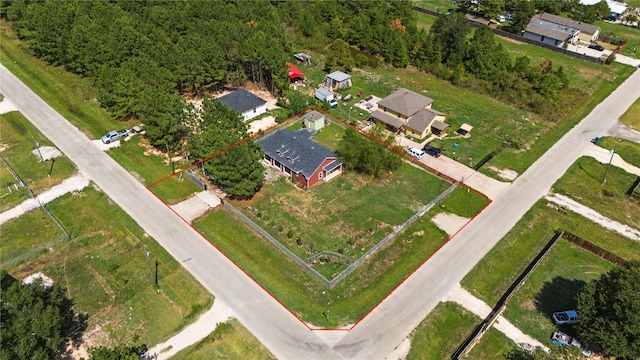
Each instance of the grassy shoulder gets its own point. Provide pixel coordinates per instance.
(492, 345)
(18, 139)
(583, 183)
(350, 299)
(230, 340)
(442, 332)
(631, 117)
(71, 95)
(149, 165)
(106, 272)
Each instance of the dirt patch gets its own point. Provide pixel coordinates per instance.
(47, 152)
(504, 173)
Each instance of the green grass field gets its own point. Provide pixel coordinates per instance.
(17, 141)
(583, 183)
(493, 345)
(148, 165)
(349, 214)
(552, 287)
(230, 341)
(631, 117)
(442, 331)
(353, 297)
(105, 270)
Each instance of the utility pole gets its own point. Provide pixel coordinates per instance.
(42, 158)
(613, 152)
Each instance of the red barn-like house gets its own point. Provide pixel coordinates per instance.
(298, 155)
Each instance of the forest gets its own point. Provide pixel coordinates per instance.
(146, 57)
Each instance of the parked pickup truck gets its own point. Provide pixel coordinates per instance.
(115, 135)
(568, 317)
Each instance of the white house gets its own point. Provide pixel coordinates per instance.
(246, 103)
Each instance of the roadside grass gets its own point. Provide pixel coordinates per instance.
(553, 287)
(348, 214)
(425, 21)
(73, 96)
(492, 345)
(493, 275)
(442, 332)
(17, 140)
(631, 118)
(230, 340)
(631, 34)
(307, 297)
(26, 236)
(149, 165)
(629, 151)
(106, 273)
(583, 183)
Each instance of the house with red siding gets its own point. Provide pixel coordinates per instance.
(296, 154)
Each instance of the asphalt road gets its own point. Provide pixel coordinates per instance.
(285, 336)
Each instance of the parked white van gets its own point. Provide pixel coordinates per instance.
(416, 153)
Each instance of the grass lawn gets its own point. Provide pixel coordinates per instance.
(492, 345)
(631, 34)
(16, 144)
(583, 183)
(105, 270)
(552, 287)
(149, 166)
(441, 6)
(71, 95)
(631, 118)
(353, 297)
(348, 214)
(230, 341)
(442, 332)
(506, 261)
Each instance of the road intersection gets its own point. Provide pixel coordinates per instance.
(279, 330)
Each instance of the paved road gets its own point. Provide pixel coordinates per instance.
(275, 327)
(403, 310)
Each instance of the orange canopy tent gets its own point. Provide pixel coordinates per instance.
(294, 72)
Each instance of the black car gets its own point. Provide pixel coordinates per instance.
(596, 47)
(433, 151)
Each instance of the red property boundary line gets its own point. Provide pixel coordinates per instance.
(362, 132)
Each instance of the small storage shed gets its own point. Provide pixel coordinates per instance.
(338, 80)
(324, 94)
(314, 120)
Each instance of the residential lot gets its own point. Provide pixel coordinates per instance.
(18, 140)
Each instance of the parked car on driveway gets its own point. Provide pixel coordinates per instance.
(333, 103)
(433, 151)
(114, 135)
(596, 47)
(568, 317)
(563, 339)
(416, 153)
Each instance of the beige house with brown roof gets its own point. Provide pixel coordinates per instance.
(411, 113)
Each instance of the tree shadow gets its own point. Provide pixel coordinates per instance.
(588, 173)
(559, 294)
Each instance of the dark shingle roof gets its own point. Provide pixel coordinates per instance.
(297, 151)
(242, 100)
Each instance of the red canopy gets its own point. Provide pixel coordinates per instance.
(294, 72)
